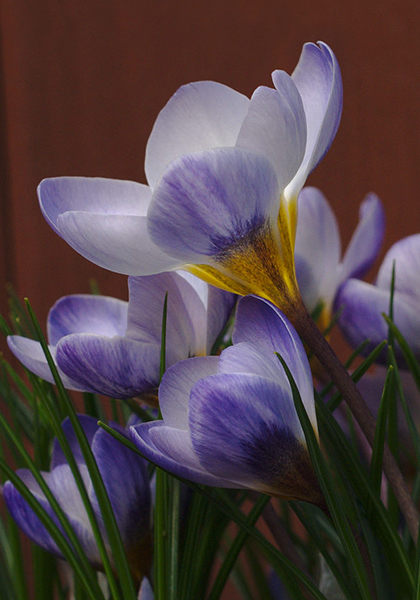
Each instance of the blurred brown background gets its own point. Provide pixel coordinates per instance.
(83, 81)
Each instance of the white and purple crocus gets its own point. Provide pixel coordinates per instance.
(105, 345)
(320, 268)
(126, 480)
(363, 304)
(230, 420)
(224, 173)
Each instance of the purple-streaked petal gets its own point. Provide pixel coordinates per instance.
(97, 195)
(117, 242)
(318, 79)
(171, 449)
(84, 313)
(145, 313)
(146, 590)
(244, 357)
(26, 518)
(206, 202)
(199, 116)
(406, 254)
(174, 391)
(218, 306)
(30, 354)
(244, 428)
(263, 325)
(64, 488)
(317, 248)
(90, 427)
(117, 367)
(275, 126)
(362, 306)
(126, 480)
(366, 240)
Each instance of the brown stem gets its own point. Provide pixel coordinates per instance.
(310, 333)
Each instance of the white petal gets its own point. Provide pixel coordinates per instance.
(199, 116)
(119, 243)
(91, 194)
(406, 255)
(174, 391)
(30, 354)
(86, 313)
(317, 249)
(275, 126)
(366, 239)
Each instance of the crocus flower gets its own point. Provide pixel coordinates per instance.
(363, 304)
(224, 173)
(320, 270)
(112, 347)
(146, 590)
(230, 421)
(126, 481)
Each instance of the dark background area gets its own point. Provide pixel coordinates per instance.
(83, 81)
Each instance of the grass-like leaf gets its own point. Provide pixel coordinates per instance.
(223, 502)
(235, 549)
(328, 486)
(114, 537)
(380, 432)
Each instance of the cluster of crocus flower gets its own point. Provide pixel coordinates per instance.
(112, 347)
(126, 481)
(225, 175)
(364, 304)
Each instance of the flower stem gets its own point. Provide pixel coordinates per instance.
(310, 333)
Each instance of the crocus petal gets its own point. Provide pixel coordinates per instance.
(218, 305)
(172, 450)
(245, 428)
(361, 318)
(275, 126)
(64, 488)
(318, 79)
(119, 243)
(146, 590)
(174, 390)
(406, 255)
(90, 427)
(26, 518)
(97, 195)
(366, 240)
(116, 367)
(122, 469)
(206, 202)
(244, 357)
(317, 248)
(103, 220)
(145, 313)
(86, 313)
(199, 116)
(30, 354)
(263, 325)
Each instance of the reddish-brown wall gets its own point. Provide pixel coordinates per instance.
(82, 82)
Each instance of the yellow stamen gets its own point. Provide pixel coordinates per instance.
(260, 263)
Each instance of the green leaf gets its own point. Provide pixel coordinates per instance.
(380, 432)
(125, 577)
(328, 486)
(236, 547)
(223, 502)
